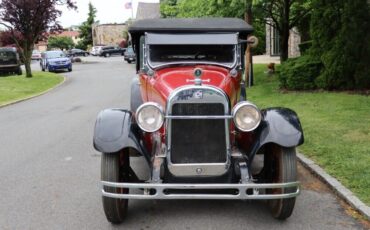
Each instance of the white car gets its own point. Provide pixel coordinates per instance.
(95, 50)
(36, 55)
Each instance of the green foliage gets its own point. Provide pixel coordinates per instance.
(86, 29)
(304, 47)
(63, 43)
(215, 8)
(299, 73)
(341, 40)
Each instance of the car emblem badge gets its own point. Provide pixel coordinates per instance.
(198, 94)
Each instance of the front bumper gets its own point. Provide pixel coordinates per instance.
(56, 67)
(161, 191)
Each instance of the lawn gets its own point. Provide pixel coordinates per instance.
(14, 88)
(336, 128)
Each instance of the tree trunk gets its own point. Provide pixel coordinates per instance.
(284, 45)
(248, 56)
(284, 33)
(27, 59)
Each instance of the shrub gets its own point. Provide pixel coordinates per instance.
(304, 46)
(300, 73)
(341, 40)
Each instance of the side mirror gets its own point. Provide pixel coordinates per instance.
(252, 41)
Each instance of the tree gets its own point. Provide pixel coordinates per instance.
(32, 19)
(63, 43)
(284, 15)
(341, 41)
(86, 29)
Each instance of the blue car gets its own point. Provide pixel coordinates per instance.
(55, 60)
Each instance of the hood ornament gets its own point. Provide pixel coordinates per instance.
(198, 72)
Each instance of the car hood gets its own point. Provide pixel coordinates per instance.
(58, 59)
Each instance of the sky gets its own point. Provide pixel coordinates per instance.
(108, 11)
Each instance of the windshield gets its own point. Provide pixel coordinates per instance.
(165, 54)
(6, 55)
(55, 54)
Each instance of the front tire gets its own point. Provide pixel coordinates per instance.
(281, 167)
(107, 55)
(115, 168)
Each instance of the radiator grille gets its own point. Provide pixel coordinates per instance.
(198, 140)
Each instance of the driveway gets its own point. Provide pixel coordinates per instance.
(49, 171)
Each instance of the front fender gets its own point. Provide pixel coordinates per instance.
(114, 131)
(280, 126)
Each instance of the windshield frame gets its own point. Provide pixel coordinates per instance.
(158, 65)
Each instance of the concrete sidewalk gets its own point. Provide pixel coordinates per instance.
(265, 59)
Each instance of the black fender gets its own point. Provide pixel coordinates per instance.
(136, 100)
(114, 131)
(280, 126)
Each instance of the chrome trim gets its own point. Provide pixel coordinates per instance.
(208, 169)
(161, 194)
(198, 117)
(238, 106)
(158, 106)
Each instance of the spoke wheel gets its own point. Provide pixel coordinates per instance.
(281, 167)
(115, 168)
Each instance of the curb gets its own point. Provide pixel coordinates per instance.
(36, 95)
(335, 185)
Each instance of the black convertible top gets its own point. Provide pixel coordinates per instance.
(190, 25)
(186, 26)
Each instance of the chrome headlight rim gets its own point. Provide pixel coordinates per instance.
(143, 106)
(238, 106)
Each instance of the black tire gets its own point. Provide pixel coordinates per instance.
(281, 167)
(70, 69)
(128, 61)
(115, 168)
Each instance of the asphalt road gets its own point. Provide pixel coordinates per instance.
(49, 171)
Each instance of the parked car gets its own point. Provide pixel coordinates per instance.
(129, 55)
(191, 125)
(55, 60)
(108, 51)
(95, 50)
(9, 61)
(77, 52)
(36, 55)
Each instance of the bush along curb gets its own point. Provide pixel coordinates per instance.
(335, 185)
(36, 95)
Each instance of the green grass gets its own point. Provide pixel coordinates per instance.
(336, 128)
(13, 88)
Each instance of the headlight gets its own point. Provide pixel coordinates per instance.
(246, 116)
(149, 117)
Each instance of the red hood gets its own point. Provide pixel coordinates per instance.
(168, 79)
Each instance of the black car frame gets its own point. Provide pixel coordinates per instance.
(9, 61)
(191, 125)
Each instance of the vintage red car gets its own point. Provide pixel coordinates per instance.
(191, 125)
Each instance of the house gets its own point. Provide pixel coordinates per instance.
(108, 34)
(148, 10)
(272, 42)
(70, 33)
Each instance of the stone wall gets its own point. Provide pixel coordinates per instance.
(108, 34)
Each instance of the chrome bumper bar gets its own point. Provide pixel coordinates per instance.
(160, 192)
